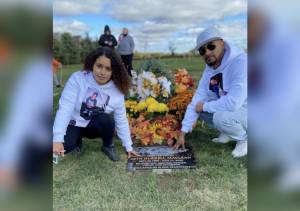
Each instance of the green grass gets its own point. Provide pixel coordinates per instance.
(93, 182)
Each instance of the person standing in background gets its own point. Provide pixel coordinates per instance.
(107, 39)
(56, 66)
(125, 49)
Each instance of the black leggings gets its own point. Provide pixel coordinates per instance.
(127, 59)
(100, 126)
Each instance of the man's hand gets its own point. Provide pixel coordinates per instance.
(132, 154)
(199, 107)
(58, 148)
(180, 141)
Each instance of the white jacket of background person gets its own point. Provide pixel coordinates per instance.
(71, 100)
(234, 94)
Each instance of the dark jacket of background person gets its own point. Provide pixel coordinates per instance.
(107, 39)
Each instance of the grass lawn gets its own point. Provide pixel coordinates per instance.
(93, 182)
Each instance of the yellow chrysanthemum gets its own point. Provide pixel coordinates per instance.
(162, 108)
(141, 106)
(155, 129)
(130, 103)
(157, 139)
(152, 107)
(150, 100)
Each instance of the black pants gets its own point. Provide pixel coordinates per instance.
(127, 59)
(100, 126)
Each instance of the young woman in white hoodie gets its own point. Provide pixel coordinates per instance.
(92, 105)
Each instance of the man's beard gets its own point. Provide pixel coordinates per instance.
(211, 63)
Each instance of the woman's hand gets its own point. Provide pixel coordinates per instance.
(58, 148)
(132, 154)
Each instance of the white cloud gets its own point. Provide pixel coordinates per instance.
(194, 31)
(175, 11)
(235, 32)
(155, 23)
(76, 7)
(74, 27)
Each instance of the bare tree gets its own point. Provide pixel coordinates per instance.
(172, 48)
(146, 44)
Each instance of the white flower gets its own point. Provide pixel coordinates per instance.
(150, 77)
(134, 77)
(145, 82)
(133, 91)
(166, 84)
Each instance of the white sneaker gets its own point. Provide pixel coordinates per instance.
(223, 138)
(241, 149)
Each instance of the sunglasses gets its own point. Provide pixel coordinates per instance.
(209, 46)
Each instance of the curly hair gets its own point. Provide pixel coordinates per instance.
(119, 74)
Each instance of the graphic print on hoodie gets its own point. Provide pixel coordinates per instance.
(94, 103)
(216, 85)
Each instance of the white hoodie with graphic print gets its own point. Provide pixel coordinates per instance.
(80, 89)
(233, 87)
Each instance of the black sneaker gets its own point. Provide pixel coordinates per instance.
(110, 152)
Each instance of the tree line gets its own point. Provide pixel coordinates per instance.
(70, 49)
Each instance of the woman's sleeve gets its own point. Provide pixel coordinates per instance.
(66, 107)
(122, 126)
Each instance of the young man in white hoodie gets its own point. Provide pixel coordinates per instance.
(221, 97)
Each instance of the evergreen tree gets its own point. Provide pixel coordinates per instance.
(57, 50)
(87, 46)
(70, 49)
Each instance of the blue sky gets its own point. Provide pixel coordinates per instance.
(154, 24)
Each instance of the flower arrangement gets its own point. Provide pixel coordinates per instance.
(184, 89)
(148, 106)
(179, 103)
(133, 90)
(148, 85)
(183, 81)
(155, 131)
(154, 112)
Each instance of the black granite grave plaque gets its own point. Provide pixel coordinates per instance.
(162, 157)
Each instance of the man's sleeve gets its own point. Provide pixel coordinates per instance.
(114, 41)
(132, 45)
(101, 40)
(191, 115)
